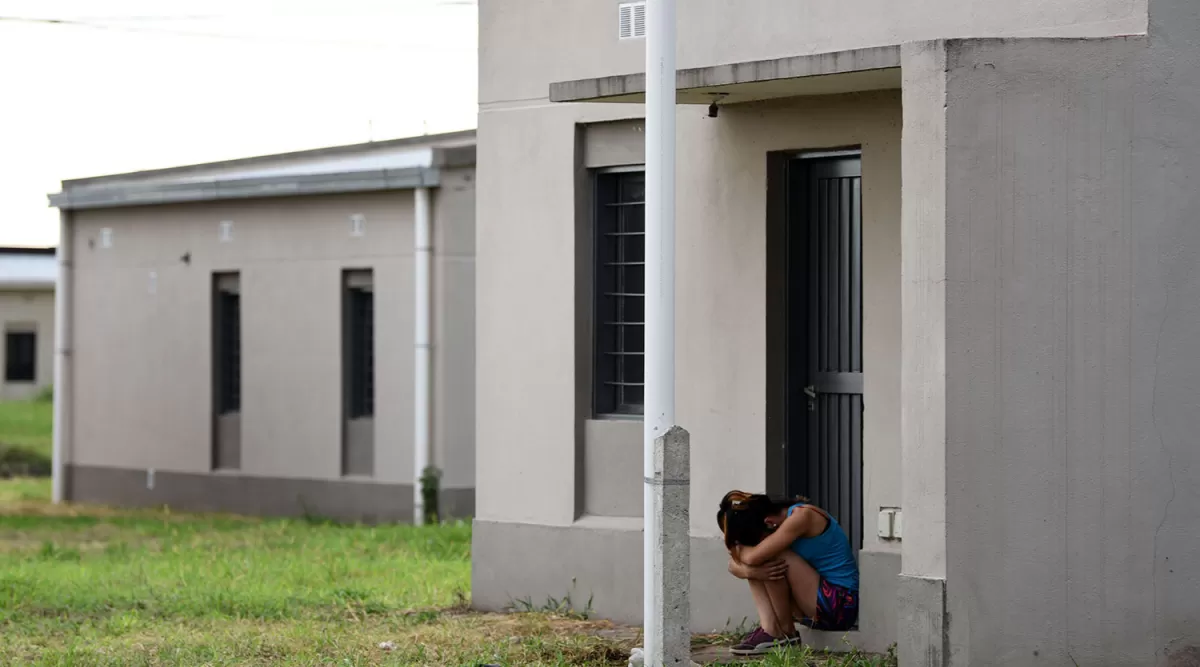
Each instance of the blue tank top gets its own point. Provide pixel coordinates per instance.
(829, 553)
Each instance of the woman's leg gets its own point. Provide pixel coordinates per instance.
(803, 584)
(780, 593)
(773, 601)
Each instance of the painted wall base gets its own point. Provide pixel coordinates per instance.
(343, 500)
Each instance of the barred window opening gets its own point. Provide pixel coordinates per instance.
(620, 300)
(360, 330)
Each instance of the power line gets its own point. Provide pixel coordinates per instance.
(101, 25)
(96, 25)
(164, 19)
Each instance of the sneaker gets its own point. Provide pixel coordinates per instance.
(760, 642)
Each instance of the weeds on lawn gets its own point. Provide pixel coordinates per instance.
(563, 607)
(732, 634)
(806, 656)
(23, 461)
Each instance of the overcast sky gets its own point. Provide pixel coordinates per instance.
(160, 83)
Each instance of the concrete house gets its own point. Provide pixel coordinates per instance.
(276, 335)
(27, 321)
(938, 268)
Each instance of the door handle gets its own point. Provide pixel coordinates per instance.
(810, 391)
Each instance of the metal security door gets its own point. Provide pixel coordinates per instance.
(825, 364)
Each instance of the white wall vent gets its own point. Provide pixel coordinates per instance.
(225, 231)
(631, 22)
(358, 223)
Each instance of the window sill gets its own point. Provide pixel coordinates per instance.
(618, 417)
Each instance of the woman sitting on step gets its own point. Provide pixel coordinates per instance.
(799, 564)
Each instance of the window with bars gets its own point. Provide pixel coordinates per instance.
(620, 283)
(227, 338)
(360, 344)
(20, 356)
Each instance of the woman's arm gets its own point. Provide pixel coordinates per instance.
(737, 568)
(774, 570)
(793, 528)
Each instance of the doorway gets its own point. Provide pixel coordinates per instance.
(819, 221)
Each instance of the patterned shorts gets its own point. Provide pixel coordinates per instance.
(837, 609)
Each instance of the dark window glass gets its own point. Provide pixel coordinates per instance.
(620, 292)
(20, 356)
(360, 330)
(228, 350)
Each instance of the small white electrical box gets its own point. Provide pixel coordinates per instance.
(889, 523)
(106, 235)
(358, 222)
(225, 232)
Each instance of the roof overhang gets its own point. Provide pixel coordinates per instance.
(837, 72)
(27, 269)
(392, 165)
(150, 194)
(27, 286)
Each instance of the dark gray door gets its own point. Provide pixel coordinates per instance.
(823, 438)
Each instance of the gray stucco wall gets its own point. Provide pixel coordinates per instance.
(1042, 494)
(923, 296)
(28, 310)
(142, 345)
(530, 43)
(528, 430)
(454, 328)
(526, 437)
(1071, 312)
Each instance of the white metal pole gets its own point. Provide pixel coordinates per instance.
(660, 316)
(422, 363)
(62, 358)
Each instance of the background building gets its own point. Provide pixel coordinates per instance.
(27, 321)
(937, 268)
(242, 334)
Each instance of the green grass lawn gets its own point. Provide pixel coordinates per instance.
(90, 586)
(25, 437)
(27, 424)
(21, 492)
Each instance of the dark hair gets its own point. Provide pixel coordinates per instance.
(743, 516)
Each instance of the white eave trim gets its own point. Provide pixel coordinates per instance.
(743, 81)
(26, 286)
(150, 193)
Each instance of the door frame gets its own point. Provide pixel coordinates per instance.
(777, 254)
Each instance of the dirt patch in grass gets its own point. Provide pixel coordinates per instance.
(98, 537)
(446, 639)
